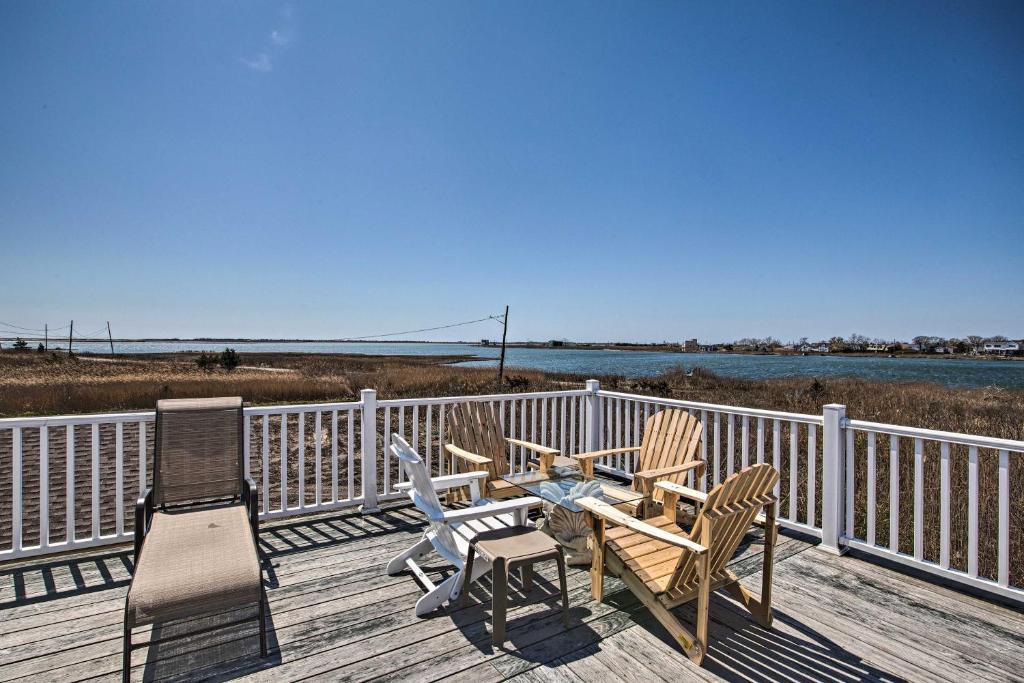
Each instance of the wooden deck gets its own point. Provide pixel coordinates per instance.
(335, 614)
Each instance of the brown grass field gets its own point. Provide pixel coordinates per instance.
(42, 384)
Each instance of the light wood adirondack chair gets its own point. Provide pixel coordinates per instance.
(668, 452)
(665, 567)
(476, 442)
(449, 531)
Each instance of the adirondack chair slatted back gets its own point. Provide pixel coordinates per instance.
(724, 520)
(425, 498)
(475, 427)
(198, 450)
(671, 437)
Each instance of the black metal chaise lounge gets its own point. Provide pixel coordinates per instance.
(196, 529)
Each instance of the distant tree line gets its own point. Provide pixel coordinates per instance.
(972, 343)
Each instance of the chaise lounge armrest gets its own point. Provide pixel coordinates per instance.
(251, 500)
(143, 516)
(500, 507)
(698, 497)
(449, 481)
(607, 513)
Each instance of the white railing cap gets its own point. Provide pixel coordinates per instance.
(936, 435)
(716, 408)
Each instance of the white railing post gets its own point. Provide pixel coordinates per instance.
(832, 480)
(593, 415)
(369, 451)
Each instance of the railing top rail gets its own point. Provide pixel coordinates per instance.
(936, 435)
(712, 407)
(302, 408)
(440, 400)
(64, 420)
(149, 415)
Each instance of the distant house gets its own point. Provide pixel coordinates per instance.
(485, 342)
(820, 347)
(881, 348)
(690, 346)
(556, 342)
(1002, 348)
(708, 348)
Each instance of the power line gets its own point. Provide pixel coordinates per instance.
(427, 329)
(19, 327)
(18, 330)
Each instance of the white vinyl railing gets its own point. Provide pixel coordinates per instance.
(733, 438)
(71, 482)
(552, 418)
(959, 487)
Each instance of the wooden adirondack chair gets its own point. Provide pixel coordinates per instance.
(449, 531)
(668, 452)
(665, 567)
(476, 442)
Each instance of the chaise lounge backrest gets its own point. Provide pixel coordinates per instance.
(198, 450)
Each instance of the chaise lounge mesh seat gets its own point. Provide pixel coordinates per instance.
(196, 529)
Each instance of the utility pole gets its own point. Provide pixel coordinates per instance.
(501, 363)
(111, 338)
(71, 333)
(46, 337)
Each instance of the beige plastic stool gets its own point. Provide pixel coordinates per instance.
(517, 547)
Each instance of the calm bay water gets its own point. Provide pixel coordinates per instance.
(948, 372)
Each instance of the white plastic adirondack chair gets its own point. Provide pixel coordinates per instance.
(450, 531)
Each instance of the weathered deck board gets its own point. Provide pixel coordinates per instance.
(335, 615)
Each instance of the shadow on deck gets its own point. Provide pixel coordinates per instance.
(335, 614)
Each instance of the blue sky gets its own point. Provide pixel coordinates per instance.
(639, 171)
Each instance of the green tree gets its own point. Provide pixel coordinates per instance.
(229, 359)
(20, 344)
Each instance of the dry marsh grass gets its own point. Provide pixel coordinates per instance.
(37, 384)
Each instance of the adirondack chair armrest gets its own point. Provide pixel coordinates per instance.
(535, 447)
(698, 497)
(668, 471)
(608, 513)
(600, 454)
(682, 491)
(466, 455)
(449, 481)
(491, 509)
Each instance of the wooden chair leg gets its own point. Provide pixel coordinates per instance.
(692, 647)
(771, 533)
(597, 559)
(703, 603)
